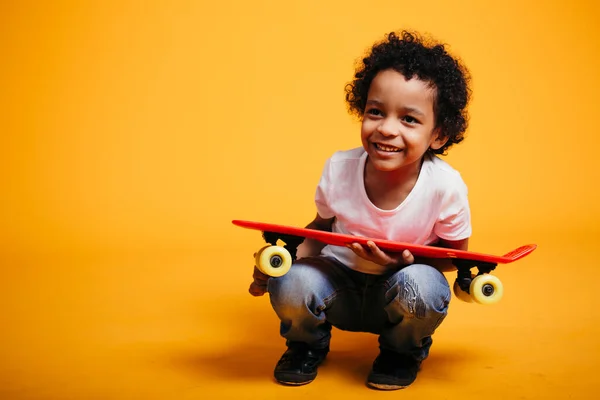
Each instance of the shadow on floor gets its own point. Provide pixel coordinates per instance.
(254, 355)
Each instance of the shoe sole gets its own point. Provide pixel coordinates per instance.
(289, 379)
(385, 386)
(286, 383)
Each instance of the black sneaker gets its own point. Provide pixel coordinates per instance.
(392, 371)
(298, 365)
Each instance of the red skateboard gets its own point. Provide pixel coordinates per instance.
(483, 288)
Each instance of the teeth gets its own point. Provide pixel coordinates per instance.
(387, 148)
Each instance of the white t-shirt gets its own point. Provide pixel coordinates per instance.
(437, 207)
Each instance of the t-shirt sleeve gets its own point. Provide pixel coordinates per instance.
(454, 221)
(322, 195)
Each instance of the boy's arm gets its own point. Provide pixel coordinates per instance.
(311, 247)
(443, 264)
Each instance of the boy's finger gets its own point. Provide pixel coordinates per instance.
(257, 290)
(358, 250)
(257, 275)
(382, 257)
(373, 247)
(408, 257)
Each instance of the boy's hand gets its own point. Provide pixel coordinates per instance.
(373, 253)
(259, 286)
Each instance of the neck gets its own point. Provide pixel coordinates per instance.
(407, 174)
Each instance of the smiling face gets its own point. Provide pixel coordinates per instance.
(398, 122)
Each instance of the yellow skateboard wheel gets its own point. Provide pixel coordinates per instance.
(461, 294)
(257, 254)
(486, 289)
(273, 261)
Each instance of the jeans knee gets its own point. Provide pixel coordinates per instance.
(421, 291)
(301, 290)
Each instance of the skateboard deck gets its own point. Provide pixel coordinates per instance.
(338, 239)
(482, 287)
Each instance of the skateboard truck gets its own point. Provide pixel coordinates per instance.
(482, 287)
(291, 242)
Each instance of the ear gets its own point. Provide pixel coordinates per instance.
(438, 140)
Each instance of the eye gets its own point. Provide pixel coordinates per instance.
(410, 120)
(374, 111)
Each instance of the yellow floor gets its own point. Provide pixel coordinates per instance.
(141, 126)
(168, 327)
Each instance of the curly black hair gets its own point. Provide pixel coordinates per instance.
(410, 55)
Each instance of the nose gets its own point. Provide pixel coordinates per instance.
(389, 128)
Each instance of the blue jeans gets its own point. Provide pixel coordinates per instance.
(404, 307)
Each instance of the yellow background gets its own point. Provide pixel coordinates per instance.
(134, 132)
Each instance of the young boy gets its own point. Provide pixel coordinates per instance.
(412, 101)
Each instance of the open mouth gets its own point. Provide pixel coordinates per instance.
(387, 148)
